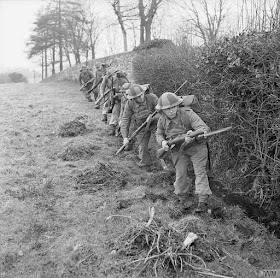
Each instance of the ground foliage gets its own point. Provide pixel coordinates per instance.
(240, 80)
(50, 228)
(154, 248)
(101, 176)
(158, 247)
(78, 150)
(73, 128)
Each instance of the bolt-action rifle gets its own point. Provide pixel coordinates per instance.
(181, 139)
(106, 92)
(149, 118)
(85, 84)
(137, 131)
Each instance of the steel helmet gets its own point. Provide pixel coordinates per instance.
(125, 86)
(98, 64)
(168, 100)
(135, 91)
(110, 71)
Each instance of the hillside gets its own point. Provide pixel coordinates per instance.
(70, 207)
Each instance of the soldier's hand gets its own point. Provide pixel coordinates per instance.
(125, 141)
(189, 139)
(149, 118)
(164, 144)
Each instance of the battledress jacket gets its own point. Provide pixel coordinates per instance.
(85, 76)
(140, 111)
(185, 120)
(113, 82)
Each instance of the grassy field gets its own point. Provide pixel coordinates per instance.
(69, 207)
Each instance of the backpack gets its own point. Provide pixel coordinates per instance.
(192, 102)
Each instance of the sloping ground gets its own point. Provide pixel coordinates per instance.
(70, 208)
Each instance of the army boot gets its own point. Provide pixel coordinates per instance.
(202, 204)
(112, 129)
(104, 118)
(185, 201)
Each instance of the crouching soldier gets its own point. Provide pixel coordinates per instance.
(117, 99)
(177, 121)
(141, 106)
(99, 74)
(86, 78)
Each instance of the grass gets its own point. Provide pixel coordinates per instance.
(68, 205)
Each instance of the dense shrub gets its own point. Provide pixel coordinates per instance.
(17, 77)
(165, 67)
(157, 43)
(241, 78)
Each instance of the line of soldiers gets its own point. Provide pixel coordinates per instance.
(131, 105)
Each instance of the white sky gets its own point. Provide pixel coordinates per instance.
(16, 18)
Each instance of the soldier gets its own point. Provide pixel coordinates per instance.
(112, 81)
(176, 121)
(141, 106)
(124, 99)
(99, 74)
(86, 78)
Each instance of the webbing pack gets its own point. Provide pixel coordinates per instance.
(192, 102)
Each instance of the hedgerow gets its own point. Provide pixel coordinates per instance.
(165, 66)
(241, 77)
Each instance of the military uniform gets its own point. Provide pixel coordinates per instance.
(84, 77)
(140, 111)
(114, 98)
(195, 152)
(99, 73)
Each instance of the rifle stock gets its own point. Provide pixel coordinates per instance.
(103, 96)
(136, 132)
(86, 84)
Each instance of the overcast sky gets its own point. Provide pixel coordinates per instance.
(16, 17)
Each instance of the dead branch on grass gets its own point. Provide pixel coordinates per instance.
(156, 247)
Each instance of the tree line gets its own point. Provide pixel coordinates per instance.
(66, 32)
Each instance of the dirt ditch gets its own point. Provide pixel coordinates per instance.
(160, 187)
(270, 217)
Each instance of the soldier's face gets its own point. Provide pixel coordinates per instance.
(140, 98)
(170, 112)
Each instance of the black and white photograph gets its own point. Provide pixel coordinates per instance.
(139, 138)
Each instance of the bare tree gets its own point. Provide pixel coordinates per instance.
(258, 15)
(147, 12)
(125, 12)
(205, 19)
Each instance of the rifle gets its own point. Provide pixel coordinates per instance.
(181, 139)
(137, 131)
(145, 123)
(103, 96)
(106, 92)
(84, 85)
(99, 81)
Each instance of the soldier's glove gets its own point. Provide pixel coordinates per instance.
(189, 139)
(165, 145)
(125, 141)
